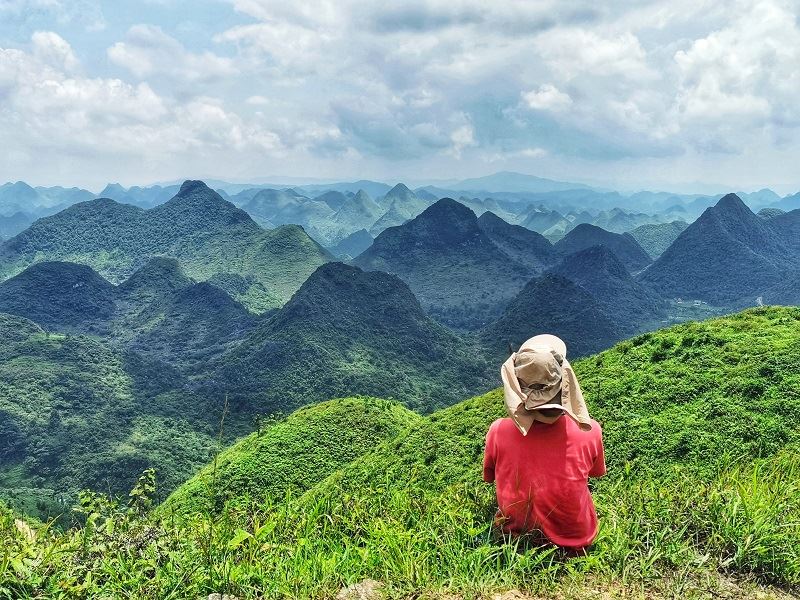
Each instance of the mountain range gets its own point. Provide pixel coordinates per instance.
(192, 302)
(624, 245)
(451, 263)
(727, 256)
(350, 331)
(207, 234)
(159, 312)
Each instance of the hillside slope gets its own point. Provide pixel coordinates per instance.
(693, 395)
(351, 332)
(655, 238)
(727, 256)
(702, 498)
(293, 455)
(460, 276)
(71, 418)
(622, 244)
(552, 304)
(158, 312)
(207, 234)
(627, 303)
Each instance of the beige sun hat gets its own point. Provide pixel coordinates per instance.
(538, 376)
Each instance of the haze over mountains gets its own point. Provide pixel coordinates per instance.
(206, 295)
(331, 212)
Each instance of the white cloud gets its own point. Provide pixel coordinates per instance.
(423, 85)
(52, 49)
(547, 97)
(462, 138)
(573, 52)
(148, 51)
(51, 109)
(744, 74)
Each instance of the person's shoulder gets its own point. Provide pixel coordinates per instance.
(596, 432)
(501, 424)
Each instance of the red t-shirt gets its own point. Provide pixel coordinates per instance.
(542, 479)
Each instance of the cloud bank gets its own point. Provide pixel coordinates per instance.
(624, 92)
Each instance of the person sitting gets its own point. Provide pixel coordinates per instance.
(539, 461)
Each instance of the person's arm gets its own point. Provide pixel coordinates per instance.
(599, 467)
(489, 457)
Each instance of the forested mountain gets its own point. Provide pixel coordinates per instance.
(60, 296)
(460, 276)
(357, 212)
(654, 238)
(207, 234)
(348, 331)
(401, 205)
(12, 224)
(353, 245)
(39, 201)
(623, 245)
(627, 303)
(356, 476)
(144, 197)
(522, 245)
(552, 304)
(159, 312)
(271, 208)
(787, 225)
(728, 255)
(72, 416)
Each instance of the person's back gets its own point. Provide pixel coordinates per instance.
(541, 458)
(542, 478)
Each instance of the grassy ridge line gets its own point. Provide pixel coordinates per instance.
(292, 455)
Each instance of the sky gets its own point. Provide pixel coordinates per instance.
(629, 94)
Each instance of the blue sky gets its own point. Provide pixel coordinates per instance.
(627, 94)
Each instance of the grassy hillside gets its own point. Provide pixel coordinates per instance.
(704, 485)
(292, 455)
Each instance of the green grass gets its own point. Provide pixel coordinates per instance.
(704, 483)
(292, 455)
(745, 523)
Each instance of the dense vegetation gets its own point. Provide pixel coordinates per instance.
(165, 352)
(207, 234)
(459, 274)
(556, 305)
(159, 312)
(292, 456)
(727, 256)
(71, 417)
(348, 331)
(655, 238)
(627, 303)
(704, 478)
(623, 245)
